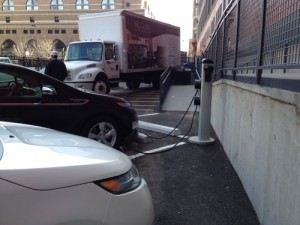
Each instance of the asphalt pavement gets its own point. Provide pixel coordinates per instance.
(190, 184)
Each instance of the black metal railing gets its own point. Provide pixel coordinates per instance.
(37, 63)
(165, 83)
(258, 42)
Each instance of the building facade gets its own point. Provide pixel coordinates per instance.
(34, 21)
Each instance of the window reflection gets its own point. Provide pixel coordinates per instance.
(108, 4)
(32, 5)
(82, 4)
(8, 5)
(56, 5)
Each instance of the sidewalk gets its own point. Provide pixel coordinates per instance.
(190, 184)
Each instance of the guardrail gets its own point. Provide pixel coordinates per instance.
(165, 83)
(196, 74)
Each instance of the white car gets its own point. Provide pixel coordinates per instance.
(5, 59)
(53, 178)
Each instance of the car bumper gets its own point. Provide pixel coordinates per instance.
(85, 204)
(131, 208)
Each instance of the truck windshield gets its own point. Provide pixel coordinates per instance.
(90, 51)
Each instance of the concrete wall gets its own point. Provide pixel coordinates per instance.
(260, 132)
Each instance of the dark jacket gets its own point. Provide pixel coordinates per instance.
(56, 69)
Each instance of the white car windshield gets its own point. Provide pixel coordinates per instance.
(5, 59)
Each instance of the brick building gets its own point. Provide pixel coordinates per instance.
(35, 20)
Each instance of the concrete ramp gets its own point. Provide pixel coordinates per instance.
(179, 98)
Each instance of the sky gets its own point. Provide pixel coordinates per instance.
(178, 13)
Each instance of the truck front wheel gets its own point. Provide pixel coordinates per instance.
(101, 85)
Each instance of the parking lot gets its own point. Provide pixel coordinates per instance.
(190, 184)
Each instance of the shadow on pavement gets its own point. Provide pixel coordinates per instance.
(191, 184)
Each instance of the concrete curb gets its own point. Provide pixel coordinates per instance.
(159, 128)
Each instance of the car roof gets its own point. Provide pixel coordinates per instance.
(4, 59)
(66, 86)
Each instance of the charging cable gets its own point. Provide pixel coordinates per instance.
(189, 130)
(171, 148)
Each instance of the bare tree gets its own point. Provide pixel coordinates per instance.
(21, 48)
(33, 48)
(43, 47)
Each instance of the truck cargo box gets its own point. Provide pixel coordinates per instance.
(143, 43)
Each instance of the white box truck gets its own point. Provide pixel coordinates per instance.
(120, 46)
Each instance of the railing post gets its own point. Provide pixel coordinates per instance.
(262, 40)
(236, 39)
(38, 64)
(24, 61)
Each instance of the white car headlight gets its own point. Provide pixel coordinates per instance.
(123, 183)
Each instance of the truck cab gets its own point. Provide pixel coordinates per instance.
(92, 65)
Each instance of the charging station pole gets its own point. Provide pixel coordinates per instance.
(204, 128)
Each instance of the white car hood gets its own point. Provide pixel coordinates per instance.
(43, 159)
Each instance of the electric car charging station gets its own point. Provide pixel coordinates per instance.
(203, 100)
(204, 128)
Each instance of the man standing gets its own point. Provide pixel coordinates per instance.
(56, 68)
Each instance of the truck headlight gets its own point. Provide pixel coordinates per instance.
(123, 183)
(85, 76)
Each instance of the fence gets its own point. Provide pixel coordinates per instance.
(37, 63)
(258, 42)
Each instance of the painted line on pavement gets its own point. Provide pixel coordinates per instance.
(150, 114)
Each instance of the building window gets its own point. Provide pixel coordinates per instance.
(14, 31)
(75, 31)
(56, 5)
(38, 32)
(108, 4)
(1, 31)
(7, 19)
(56, 31)
(32, 5)
(8, 5)
(7, 31)
(63, 31)
(25, 31)
(50, 32)
(31, 31)
(82, 4)
(195, 34)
